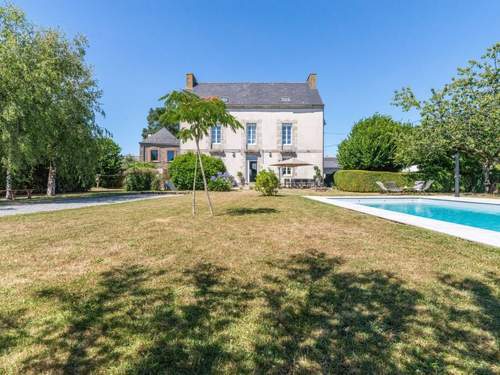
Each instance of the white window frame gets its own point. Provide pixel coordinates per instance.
(286, 171)
(286, 133)
(251, 125)
(216, 134)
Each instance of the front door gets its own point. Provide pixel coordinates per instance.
(252, 170)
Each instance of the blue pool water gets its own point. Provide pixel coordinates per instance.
(479, 215)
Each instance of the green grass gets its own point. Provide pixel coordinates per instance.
(268, 285)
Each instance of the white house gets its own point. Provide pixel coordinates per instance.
(281, 121)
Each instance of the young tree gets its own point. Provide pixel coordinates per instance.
(155, 123)
(200, 115)
(462, 117)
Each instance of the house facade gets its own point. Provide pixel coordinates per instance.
(159, 148)
(280, 121)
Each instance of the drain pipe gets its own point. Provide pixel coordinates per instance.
(457, 174)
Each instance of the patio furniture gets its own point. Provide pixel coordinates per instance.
(417, 187)
(382, 187)
(427, 186)
(291, 163)
(392, 187)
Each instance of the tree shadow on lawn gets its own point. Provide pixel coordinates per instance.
(311, 318)
(241, 211)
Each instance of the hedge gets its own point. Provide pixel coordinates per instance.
(141, 179)
(364, 181)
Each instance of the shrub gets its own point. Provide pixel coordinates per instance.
(221, 182)
(267, 182)
(372, 144)
(181, 170)
(364, 181)
(140, 179)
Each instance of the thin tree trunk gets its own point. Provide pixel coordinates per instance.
(8, 185)
(194, 184)
(51, 180)
(204, 179)
(486, 174)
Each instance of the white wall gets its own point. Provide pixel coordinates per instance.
(307, 140)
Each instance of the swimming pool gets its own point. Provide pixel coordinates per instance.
(470, 218)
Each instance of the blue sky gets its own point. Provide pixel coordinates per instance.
(361, 50)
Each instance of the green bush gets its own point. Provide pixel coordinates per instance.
(181, 170)
(267, 182)
(141, 179)
(372, 144)
(221, 182)
(364, 181)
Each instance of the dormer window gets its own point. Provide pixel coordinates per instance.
(225, 99)
(285, 99)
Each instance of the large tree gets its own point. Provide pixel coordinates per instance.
(463, 117)
(156, 123)
(109, 163)
(48, 100)
(371, 144)
(199, 115)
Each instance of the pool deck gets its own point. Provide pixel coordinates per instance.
(484, 236)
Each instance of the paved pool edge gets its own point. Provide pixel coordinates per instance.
(483, 236)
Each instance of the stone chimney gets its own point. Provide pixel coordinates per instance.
(312, 80)
(190, 81)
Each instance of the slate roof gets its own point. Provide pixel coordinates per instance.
(161, 137)
(331, 162)
(261, 94)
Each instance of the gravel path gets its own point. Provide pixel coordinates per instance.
(16, 208)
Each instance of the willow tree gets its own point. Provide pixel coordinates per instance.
(197, 116)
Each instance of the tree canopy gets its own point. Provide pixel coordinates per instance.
(371, 144)
(48, 101)
(155, 123)
(199, 116)
(463, 116)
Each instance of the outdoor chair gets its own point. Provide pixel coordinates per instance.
(427, 186)
(392, 187)
(382, 187)
(417, 187)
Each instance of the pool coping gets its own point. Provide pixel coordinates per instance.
(484, 236)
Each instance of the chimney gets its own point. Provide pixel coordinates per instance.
(311, 81)
(190, 81)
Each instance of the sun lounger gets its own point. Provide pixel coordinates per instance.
(392, 187)
(382, 187)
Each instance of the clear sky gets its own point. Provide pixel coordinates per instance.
(361, 50)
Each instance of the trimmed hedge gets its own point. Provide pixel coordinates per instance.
(364, 181)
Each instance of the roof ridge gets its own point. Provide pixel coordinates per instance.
(251, 83)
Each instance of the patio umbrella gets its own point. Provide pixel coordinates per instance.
(290, 163)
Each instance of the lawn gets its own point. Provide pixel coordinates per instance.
(269, 285)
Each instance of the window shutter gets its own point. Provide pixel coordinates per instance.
(294, 135)
(278, 135)
(258, 134)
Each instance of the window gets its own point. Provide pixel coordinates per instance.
(286, 171)
(170, 155)
(154, 155)
(285, 99)
(225, 99)
(216, 134)
(251, 136)
(286, 134)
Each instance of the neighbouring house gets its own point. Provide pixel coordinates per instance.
(159, 148)
(280, 120)
(330, 166)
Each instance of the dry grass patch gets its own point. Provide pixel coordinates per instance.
(269, 284)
